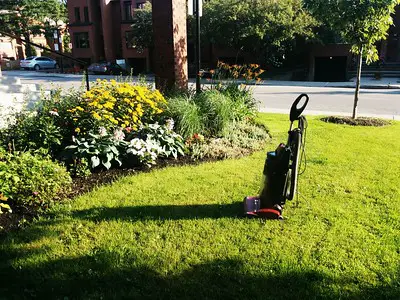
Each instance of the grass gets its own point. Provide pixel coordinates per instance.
(176, 233)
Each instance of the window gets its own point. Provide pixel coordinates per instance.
(77, 14)
(127, 11)
(81, 40)
(140, 5)
(129, 39)
(86, 13)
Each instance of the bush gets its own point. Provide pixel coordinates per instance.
(100, 149)
(211, 112)
(216, 110)
(187, 114)
(240, 139)
(48, 125)
(115, 104)
(31, 180)
(243, 103)
(126, 147)
(170, 143)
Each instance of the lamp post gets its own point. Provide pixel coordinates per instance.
(195, 7)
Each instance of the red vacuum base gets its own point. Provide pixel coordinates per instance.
(252, 209)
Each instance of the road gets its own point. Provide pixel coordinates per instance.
(324, 100)
(384, 103)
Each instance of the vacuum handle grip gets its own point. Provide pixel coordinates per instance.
(296, 112)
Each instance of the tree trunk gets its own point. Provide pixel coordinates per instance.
(356, 94)
(28, 47)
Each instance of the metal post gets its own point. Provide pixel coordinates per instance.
(60, 46)
(87, 78)
(198, 50)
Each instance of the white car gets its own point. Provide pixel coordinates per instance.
(37, 63)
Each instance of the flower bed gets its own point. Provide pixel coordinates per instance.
(126, 127)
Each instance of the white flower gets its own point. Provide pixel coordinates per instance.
(54, 113)
(102, 131)
(137, 143)
(170, 123)
(119, 135)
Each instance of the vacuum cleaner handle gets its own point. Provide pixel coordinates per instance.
(296, 112)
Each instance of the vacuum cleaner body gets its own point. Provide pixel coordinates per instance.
(280, 171)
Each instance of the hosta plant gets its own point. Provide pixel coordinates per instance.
(100, 149)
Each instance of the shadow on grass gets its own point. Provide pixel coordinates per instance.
(107, 275)
(164, 212)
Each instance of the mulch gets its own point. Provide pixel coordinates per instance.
(357, 122)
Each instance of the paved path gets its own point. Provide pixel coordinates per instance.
(277, 96)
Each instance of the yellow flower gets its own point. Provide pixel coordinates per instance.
(96, 115)
(77, 130)
(79, 108)
(109, 105)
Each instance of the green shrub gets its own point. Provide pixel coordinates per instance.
(126, 147)
(48, 125)
(216, 110)
(244, 104)
(100, 149)
(187, 115)
(31, 180)
(240, 139)
(170, 143)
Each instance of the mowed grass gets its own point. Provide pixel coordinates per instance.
(177, 233)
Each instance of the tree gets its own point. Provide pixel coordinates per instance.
(142, 28)
(361, 23)
(29, 17)
(266, 28)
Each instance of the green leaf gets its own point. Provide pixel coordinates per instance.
(95, 161)
(107, 165)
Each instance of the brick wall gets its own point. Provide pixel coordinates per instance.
(170, 55)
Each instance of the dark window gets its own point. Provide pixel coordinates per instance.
(129, 39)
(77, 14)
(86, 13)
(81, 40)
(127, 11)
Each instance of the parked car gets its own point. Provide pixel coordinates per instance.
(107, 68)
(37, 63)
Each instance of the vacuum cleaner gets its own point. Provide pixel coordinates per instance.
(281, 169)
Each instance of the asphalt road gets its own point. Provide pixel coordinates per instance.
(383, 103)
(273, 98)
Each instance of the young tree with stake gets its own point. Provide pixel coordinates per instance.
(361, 23)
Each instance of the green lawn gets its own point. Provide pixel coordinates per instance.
(177, 232)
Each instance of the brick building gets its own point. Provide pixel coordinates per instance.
(100, 30)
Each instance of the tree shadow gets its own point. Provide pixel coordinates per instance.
(164, 212)
(107, 275)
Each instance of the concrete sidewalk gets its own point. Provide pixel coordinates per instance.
(366, 83)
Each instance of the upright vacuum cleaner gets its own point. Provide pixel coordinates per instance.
(281, 169)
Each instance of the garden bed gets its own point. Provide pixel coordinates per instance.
(117, 129)
(361, 121)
